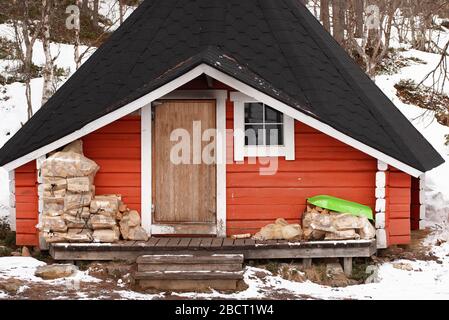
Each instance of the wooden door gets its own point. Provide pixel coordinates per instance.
(184, 194)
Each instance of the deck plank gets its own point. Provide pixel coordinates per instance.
(184, 243)
(162, 242)
(217, 243)
(250, 250)
(250, 242)
(173, 242)
(195, 242)
(228, 243)
(206, 242)
(152, 242)
(239, 242)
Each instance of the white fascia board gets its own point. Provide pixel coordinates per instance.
(232, 82)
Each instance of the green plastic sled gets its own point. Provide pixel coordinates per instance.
(342, 206)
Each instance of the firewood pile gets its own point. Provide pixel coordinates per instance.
(322, 224)
(318, 224)
(72, 212)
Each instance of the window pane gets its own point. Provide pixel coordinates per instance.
(254, 135)
(274, 134)
(253, 113)
(273, 116)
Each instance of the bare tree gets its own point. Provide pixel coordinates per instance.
(76, 48)
(47, 71)
(324, 14)
(26, 32)
(95, 14)
(376, 36)
(121, 10)
(338, 20)
(359, 8)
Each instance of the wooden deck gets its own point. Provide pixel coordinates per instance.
(251, 249)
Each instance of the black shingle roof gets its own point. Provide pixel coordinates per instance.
(275, 46)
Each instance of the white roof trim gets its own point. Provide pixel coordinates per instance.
(232, 82)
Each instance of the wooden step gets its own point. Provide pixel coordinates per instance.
(191, 259)
(191, 267)
(189, 272)
(189, 275)
(188, 285)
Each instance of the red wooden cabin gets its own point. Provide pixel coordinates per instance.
(230, 66)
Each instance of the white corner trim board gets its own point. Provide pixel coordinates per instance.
(232, 82)
(12, 200)
(422, 201)
(381, 237)
(381, 204)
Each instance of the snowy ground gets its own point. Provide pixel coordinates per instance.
(417, 280)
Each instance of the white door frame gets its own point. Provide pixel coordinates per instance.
(146, 165)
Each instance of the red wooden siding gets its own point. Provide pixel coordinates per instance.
(116, 149)
(398, 223)
(323, 165)
(26, 205)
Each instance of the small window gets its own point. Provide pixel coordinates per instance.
(261, 130)
(264, 126)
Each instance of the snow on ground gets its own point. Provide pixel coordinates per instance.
(420, 280)
(23, 268)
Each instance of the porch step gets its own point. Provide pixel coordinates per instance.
(188, 272)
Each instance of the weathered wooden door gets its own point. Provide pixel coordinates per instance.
(184, 178)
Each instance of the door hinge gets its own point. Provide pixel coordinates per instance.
(153, 208)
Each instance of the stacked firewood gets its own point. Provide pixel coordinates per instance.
(322, 224)
(71, 210)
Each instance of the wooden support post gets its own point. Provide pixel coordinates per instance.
(347, 266)
(307, 263)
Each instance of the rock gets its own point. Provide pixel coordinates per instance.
(336, 275)
(138, 234)
(11, 286)
(403, 266)
(16, 254)
(26, 252)
(55, 271)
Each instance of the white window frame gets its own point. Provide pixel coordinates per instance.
(241, 150)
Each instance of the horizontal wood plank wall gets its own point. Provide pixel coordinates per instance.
(116, 149)
(323, 165)
(398, 208)
(26, 205)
